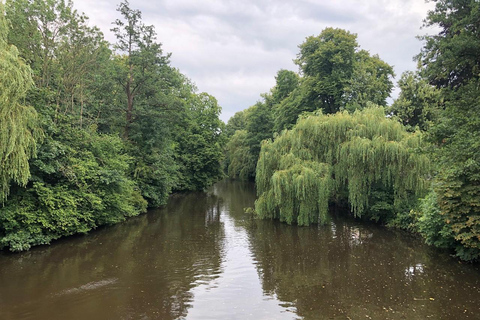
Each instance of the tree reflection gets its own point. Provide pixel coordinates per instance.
(143, 268)
(351, 269)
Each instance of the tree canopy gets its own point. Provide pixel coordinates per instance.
(122, 128)
(332, 158)
(336, 76)
(450, 61)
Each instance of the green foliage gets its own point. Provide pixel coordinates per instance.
(371, 82)
(343, 157)
(243, 148)
(19, 128)
(431, 223)
(450, 61)
(85, 175)
(237, 122)
(327, 61)
(140, 62)
(417, 104)
(286, 82)
(240, 161)
(336, 76)
(199, 149)
(458, 180)
(80, 182)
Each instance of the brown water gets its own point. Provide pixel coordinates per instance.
(202, 257)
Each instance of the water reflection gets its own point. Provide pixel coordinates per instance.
(237, 292)
(413, 271)
(351, 270)
(144, 268)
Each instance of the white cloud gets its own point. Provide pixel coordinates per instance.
(233, 49)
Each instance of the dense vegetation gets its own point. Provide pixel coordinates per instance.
(335, 76)
(92, 133)
(360, 158)
(340, 147)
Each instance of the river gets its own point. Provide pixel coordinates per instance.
(202, 257)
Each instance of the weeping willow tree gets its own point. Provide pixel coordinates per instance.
(18, 129)
(345, 156)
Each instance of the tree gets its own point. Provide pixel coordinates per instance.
(140, 56)
(237, 122)
(244, 146)
(371, 82)
(199, 144)
(38, 28)
(450, 62)
(450, 59)
(417, 104)
(337, 158)
(240, 161)
(336, 76)
(259, 126)
(285, 82)
(19, 128)
(327, 63)
(66, 55)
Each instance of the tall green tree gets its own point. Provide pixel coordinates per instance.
(237, 122)
(285, 82)
(450, 58)
(336, 76)
(66, 55)
(240, 162)
(19, 127)
(450, 61)
(371, 82)
(39, 26)
(327, 64)
(243, 147)
(139, 57)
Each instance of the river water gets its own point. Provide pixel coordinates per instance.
(202, 257)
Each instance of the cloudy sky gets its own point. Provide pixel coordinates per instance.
(233, 49)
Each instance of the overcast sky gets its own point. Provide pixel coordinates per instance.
(233, 49)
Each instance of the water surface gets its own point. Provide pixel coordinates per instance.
(202, 257)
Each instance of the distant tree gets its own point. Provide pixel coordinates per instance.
(240, 160)
(259, 126)
(199, 144)
(335, 76)
(371, 82)
(450, 58)
(66, 55)
(244, 146)
(237, 122)
(327, 64)
(285, 82)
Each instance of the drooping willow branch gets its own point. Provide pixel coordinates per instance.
(18, 123)
(326, 156)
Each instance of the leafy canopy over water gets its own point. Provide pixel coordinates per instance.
(344, 156)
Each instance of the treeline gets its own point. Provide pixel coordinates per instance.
(92, 133)
(325, 136)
